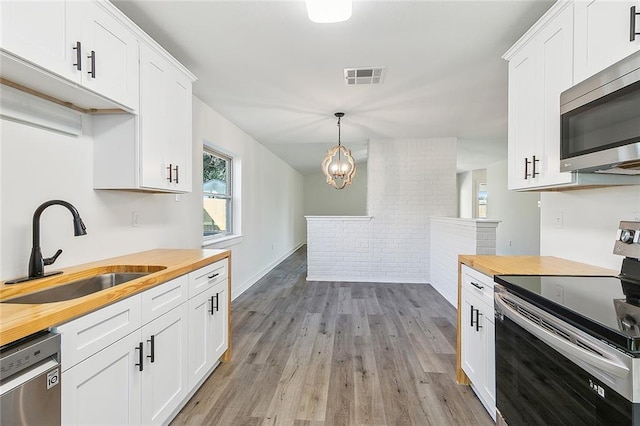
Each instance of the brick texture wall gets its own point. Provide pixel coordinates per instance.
(451, 237)
(408, 181)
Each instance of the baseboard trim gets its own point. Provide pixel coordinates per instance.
(237, 291)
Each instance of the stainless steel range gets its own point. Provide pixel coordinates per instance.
(568, 347)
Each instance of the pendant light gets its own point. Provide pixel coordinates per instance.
(339, 166)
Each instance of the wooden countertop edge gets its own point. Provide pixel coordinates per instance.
(21, 320)
(516, 265)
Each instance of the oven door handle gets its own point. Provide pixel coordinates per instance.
(566, 348)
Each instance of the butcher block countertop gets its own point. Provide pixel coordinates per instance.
(21, 320)
(518, 265)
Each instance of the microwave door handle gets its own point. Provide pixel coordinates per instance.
(566, 348)
(632, 26)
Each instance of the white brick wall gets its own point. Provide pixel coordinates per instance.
(408, 181)
(451, 237)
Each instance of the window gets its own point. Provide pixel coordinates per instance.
(216, 194)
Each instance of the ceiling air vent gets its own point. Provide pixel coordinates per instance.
(367, 75)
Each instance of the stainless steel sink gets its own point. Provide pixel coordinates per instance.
(77, 288)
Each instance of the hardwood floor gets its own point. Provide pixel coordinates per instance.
(337, 353)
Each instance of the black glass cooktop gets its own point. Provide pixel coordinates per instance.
(607, 307)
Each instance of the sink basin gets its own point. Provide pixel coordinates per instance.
(77, 288)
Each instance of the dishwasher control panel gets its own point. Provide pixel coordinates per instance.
(24, 353)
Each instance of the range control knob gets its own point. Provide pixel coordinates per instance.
(626, 236)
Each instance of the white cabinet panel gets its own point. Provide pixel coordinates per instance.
(164, 380)
(208, 330)
(602, 34)
(105, 388)
(39, 32)
(110, 55)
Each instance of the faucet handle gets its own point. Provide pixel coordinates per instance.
(50, 260)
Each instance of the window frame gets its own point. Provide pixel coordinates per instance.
(209, 239)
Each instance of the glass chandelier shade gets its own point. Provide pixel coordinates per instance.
(338, 166)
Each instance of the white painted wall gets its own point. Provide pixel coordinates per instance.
(271, 197)
(38, 165)
(468, 192)
(590, 218)
(323, 199)
(518, 213)
(465, 194)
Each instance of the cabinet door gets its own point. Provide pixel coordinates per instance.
(178, 149)
(110, 57)
(554, 74)
(154, 118)
(105, 388)
(523, 116)
(208, 337)
(489, 387)
(602, 31)
(40, 33)
(472, 342)
(164, 380)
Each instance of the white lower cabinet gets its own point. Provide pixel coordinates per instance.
(208, 330)
(478, 336)
(164, 379)
(138, 360)
(105, 388)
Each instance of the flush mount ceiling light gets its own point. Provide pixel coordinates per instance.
(339, 166)
(328, 11)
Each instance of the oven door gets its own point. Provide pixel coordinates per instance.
(537, 385)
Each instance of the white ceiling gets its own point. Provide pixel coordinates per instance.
(279, 77)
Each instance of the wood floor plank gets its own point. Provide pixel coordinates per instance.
(310, 353)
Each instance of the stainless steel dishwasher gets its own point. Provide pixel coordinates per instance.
(30, 381)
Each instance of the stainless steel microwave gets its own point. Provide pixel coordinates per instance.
(600, 121)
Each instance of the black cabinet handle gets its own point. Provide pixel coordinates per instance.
(152, 341)
(93, 64)
(212, 276)
(478, 326)
(78, 50)
(526, 168)
(217, 302)
(211, 305)
(140, 363)
(476, 285)
(533, 165)
(632, 27)
(170, 178)
(176, 169)
(471, 316)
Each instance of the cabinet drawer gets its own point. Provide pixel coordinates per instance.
(478, 284)
(207, 277)
(164, 297)
(89, 334)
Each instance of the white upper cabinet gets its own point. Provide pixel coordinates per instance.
(539, 71)
(603, 34)
(40, 33)
(110, 55)
(88, 43)
(165, 128)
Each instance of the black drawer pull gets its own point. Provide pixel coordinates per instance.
(212, 276)
(78, 50)
(140, 363)
(632, 28)
(152, 356)
(476, 285)
(93, 64)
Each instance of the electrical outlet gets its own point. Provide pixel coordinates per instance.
(558, 220)
(135, 219)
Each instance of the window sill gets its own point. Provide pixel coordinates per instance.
(222, 242)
